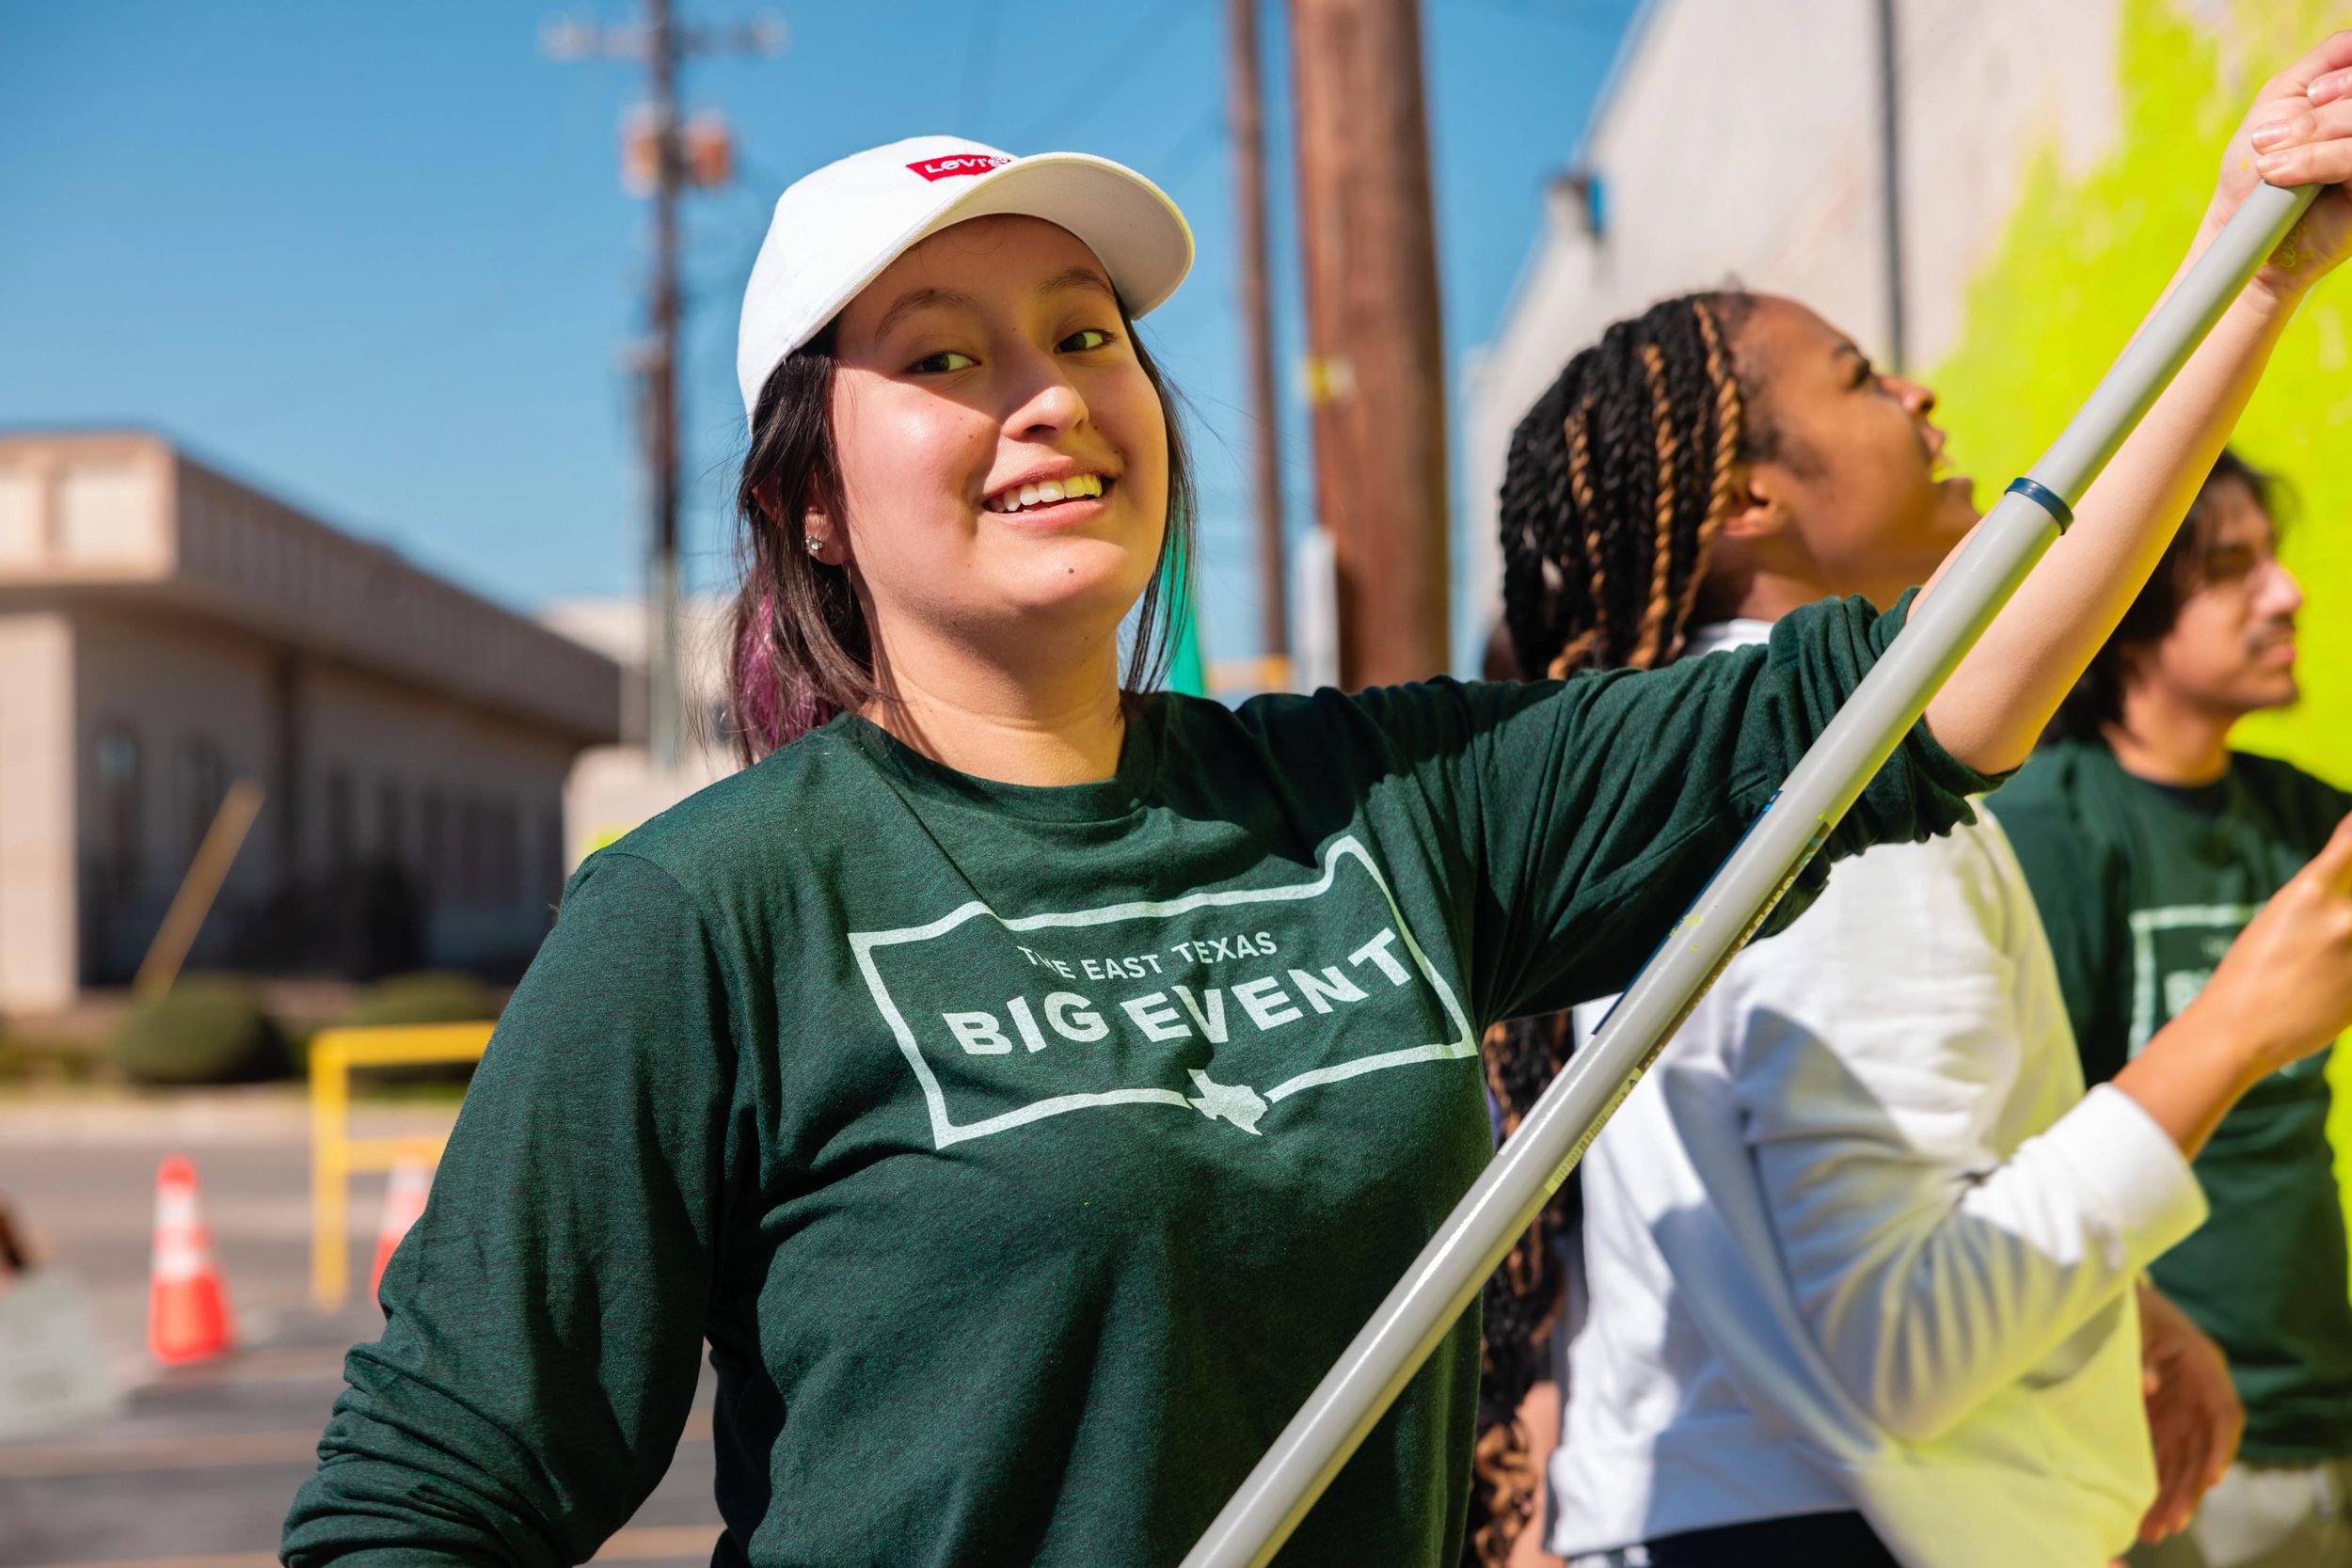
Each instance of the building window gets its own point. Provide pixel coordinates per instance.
(549, 880)
(432, 828)
(470, 852)
(341, 835)
(118, 764)
(506, 855)
(390, 824)
(201, 783)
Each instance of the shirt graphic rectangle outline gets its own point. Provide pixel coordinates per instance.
(2144, 924)
(946, 1131)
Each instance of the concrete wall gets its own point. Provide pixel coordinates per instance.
(497, 787)
(37, 871)
(244, 554)
(468, 803)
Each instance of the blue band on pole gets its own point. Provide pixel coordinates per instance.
(2046, 498)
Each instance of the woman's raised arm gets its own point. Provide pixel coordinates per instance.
(2300, 132)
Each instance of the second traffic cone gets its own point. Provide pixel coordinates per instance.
(187, 1310)
(403, 1204)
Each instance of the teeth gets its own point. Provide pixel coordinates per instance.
(1046, 492)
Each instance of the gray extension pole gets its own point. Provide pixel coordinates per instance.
(1500, 1206)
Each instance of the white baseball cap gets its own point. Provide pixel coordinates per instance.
(836, 229)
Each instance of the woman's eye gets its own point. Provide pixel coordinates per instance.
(940, 363)
(1084, 339)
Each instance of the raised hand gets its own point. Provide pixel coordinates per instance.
(2298, 132)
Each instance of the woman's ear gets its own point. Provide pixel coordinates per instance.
(1757, 511)
(768, 498)
(822, 539)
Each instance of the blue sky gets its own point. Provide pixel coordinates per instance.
(377, 258)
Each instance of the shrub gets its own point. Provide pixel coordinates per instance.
(206, 1029)
(431, 996)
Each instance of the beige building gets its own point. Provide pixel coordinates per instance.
(165, 630)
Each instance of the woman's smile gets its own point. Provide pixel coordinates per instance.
(1058, 493)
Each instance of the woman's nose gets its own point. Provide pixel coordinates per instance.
(1049, 401)
(1918, 399)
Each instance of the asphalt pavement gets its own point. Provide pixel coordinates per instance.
(197, 1469)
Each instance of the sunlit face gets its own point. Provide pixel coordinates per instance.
(2232, 647)
(981, 376)
(1853, 470)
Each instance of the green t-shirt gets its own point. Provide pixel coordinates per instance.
(2142, 887)
(1025, 1155)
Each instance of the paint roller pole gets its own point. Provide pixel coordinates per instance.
(1499, 1207)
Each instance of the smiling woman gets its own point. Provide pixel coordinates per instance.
(1022, 1081)
(900, 344)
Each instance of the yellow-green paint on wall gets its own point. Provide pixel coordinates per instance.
(2064, 286)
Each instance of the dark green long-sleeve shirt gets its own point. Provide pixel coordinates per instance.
(1025, 1155)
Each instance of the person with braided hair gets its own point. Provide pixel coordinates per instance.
(1619, 485)
(1860, 1258)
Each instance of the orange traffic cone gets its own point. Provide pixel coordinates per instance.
(403, 1204)
(187, 1310)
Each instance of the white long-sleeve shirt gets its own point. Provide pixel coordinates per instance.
(1860, 1241)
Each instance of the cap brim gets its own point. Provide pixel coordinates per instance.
(1130, 224)
(1127, 221)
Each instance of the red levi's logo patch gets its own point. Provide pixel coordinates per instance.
(958, 163)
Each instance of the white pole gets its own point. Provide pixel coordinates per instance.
(1426, 1303)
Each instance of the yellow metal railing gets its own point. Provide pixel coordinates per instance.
(336, 1155)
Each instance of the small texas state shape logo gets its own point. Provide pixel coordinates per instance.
(1223, 1003)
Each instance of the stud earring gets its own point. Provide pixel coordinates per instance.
(816, 546)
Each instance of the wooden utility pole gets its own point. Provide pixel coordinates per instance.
(665, 698)
(1247, 114)
(666, 167)
(1375, 381)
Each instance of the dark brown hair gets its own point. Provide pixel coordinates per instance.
(1617, 480)
(802, 648)
(2097, 698)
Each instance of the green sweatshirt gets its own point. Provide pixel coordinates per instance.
(1025, 1155)
(2142, 888)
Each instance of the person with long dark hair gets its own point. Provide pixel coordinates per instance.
(1025, 1083)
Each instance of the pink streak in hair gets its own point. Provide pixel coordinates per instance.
(775, 702)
